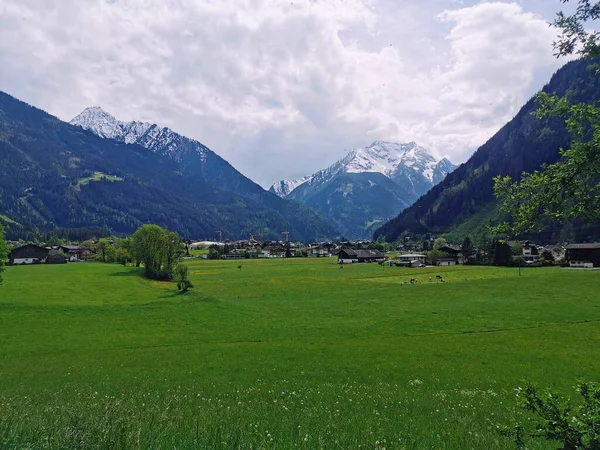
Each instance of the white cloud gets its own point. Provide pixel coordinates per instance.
(282, 88)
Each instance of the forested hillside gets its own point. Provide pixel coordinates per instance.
(464, 202)
(55, 175)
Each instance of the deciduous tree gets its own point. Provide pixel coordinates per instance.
(439, 243)
(180, 275)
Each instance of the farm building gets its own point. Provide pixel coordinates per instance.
(583, 255)
(447, 261)
(349, 256)
(28, 254)
(411, 259)
(56, 257)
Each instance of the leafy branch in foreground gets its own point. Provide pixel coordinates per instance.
(575, 427)
(574, 38)
(564, 190)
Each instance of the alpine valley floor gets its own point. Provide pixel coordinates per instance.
(285, 354)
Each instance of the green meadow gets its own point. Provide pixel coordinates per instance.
(284, 354)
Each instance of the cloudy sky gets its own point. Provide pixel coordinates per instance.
(282, 88)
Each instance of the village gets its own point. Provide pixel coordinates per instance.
(501, 253)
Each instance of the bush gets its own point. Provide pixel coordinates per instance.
(556, 419)
(180, 275)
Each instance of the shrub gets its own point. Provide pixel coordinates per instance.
(180, 275)
(556, 419)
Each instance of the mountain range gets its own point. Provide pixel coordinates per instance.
(368, 186)
(101, 172)
(464, 203)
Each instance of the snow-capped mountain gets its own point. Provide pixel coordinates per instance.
(368, 185)
(399, 162)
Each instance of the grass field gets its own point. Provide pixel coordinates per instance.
(285, 354)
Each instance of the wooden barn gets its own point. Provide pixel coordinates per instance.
(583, 255)
(349, 256)
(28, 254)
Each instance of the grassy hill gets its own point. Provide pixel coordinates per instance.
(284, 354)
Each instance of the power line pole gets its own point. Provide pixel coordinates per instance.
(220, 235)
(287, 235)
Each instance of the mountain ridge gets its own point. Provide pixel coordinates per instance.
(57, 175)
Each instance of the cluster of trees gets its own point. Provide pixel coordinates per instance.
(160, 252)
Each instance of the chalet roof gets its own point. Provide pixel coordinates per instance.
(583, 246)
(450, 249)
(73, 248)
(362, 253)
(30, 245)
(369, 253)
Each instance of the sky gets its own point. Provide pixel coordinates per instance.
(283, 88)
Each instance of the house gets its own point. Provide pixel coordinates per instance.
(28, 254)
(274, 252)
(74, 252)
(411, 259)
(56, 257)
(349, 256)
(557, 251)
(530, 252)
(318, 251)
(447, 261)
(583, 255)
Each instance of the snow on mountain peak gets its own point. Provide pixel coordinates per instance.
(284, 187)
(387, 157)
(394, 160)
(146, 134)
(99, 122)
